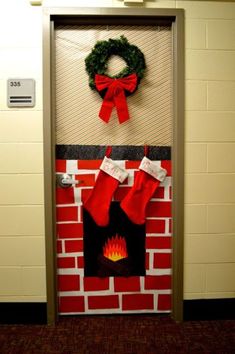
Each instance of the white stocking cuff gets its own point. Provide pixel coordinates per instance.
(112, 169)
(152, 169)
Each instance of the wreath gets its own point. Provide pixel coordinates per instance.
(115, 88)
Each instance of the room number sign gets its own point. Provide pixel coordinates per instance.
(20, 92)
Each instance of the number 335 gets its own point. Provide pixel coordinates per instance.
(15, 83)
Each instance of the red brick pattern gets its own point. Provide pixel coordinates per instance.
(67, 213)
(138, 302)
(64, 196)
(157, 282)
(70, 230)
(78, 294)
(89, 164)
(159, 210)
(126, 284)
(59, 247)
(72, 304)
(80, 261)
(73, 246)
(60, 166)
(159, 194)
(96, 284)
(85, 180)
(68, 282)
(155, 243)
(155, 226)
(66, 262)
(162, 260)
(102, 302)
(164, 302)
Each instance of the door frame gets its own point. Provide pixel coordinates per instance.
(175, 17)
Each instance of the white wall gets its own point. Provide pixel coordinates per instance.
(209, 146)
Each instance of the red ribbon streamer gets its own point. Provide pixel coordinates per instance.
(115, 95)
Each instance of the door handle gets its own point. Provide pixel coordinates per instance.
(65, 180)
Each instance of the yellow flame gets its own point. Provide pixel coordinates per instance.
(115, 249)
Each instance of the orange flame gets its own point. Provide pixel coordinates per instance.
(115, 248)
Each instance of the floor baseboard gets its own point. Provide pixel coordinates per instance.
(209, 309)
(23, 312)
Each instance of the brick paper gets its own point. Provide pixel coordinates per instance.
(92, 295)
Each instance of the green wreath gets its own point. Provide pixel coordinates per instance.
(97, 61)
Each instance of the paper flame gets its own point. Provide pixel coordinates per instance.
(115, 248)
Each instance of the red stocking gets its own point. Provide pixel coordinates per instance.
(99, 200)
(146, 182)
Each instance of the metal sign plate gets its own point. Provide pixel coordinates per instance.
(20, 92)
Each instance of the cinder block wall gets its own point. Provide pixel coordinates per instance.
(22, 259)
(209, 146)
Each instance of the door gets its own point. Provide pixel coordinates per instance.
(88, 280)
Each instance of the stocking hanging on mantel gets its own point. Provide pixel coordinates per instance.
(114, 89)
(98, 203)
(147, 180)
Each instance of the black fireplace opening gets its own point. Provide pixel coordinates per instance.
(117, 249)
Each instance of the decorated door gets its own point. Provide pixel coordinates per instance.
(113, 108)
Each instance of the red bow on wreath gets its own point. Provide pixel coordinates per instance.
(115, 95)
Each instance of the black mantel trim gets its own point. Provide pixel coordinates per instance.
(119, 152)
